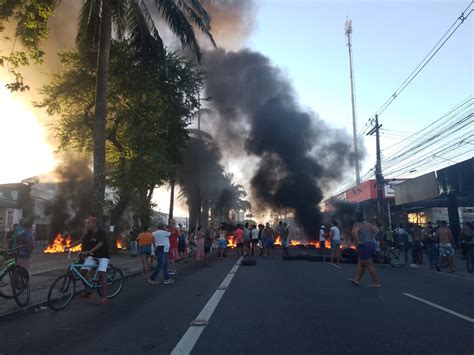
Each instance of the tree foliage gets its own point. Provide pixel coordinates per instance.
(148, 110)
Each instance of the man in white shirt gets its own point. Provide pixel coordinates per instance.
(322, 238)
(335, 237)
(162, 248)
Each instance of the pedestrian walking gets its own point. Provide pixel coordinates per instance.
(162, 247)
(446, 242)
(363, 234)
(145, 242)
(261, 227)
(335, 238)
(467, 236)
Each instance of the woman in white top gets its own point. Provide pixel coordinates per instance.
(335, 237)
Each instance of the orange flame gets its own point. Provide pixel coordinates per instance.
(120, 245)
(278, 241)
(61, 244)
(231, 242)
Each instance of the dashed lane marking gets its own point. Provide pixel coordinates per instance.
(459, 315)
(190, 338)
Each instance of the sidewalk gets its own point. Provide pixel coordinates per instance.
(46, 267)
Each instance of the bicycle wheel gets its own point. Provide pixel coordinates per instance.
(114, 282)
(20, 285)
(398, 257)
(444, 262)
(470, 260)
(61, 292)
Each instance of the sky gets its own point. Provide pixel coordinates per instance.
(306, 40)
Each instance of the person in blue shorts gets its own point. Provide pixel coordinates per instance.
(222, 242)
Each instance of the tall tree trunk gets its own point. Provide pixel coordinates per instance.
(105, 39)
(170, 217)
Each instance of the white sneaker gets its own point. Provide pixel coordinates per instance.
(169, 281)
(413, 265)
(153, 282)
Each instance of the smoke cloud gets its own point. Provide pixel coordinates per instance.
(71, 205)
(257, 112)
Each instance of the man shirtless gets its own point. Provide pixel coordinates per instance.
(446, 242)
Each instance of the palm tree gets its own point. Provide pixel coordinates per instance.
(97, 19)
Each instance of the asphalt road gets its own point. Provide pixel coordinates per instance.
(276, 307)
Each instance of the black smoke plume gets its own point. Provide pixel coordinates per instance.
(258, 113)
(71, 205)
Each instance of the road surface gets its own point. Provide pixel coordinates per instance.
(276, 307)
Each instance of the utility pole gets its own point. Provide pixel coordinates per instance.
(170, 216)
(348, 31)
(378, 169)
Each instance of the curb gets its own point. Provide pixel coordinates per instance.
(35, 306)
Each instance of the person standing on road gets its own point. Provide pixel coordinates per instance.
(173, 253)
(145, 242)
(446, 242)
(222, 243)
(199, 240)
(239, 241)
(269, 240)
(208, 239)
(247, 239)
(335, 237)
(254, 241)
(162, 248)
(133, 241)
(417, 253)
(322, 238)
(467, 236)
(363, 233)
(430, 240)
(285, 241)
(181, 243)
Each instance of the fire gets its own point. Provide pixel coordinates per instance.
(61, 244)
(120, 245)
(231, 242)
(278, 241)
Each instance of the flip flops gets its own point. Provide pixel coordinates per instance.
(355, 283)
(375, 285)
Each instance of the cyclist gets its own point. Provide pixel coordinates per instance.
(446, 242)
(94, 247)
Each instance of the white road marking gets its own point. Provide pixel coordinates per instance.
(189, 339)
(462, 316)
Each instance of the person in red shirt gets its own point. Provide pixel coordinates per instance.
(239, 240)
(173, 253)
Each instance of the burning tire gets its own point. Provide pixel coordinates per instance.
(316, 258)
(61, 292)
(289, 257)
(302, 257)
(248, 262)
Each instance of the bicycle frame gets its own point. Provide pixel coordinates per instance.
(75, 269)
(7, 266)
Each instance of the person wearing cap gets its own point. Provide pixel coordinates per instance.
(95, 249)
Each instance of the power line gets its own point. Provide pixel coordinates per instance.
(427, 58)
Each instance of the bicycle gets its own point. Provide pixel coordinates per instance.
(18, 276)
(63, 289)
(396, 255)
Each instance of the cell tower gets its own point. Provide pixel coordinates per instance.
(348, 31)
